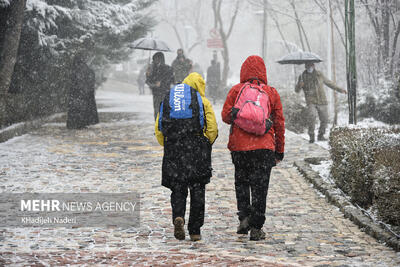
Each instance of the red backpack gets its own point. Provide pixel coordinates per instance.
(252, 109)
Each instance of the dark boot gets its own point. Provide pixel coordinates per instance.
(256, 234)
(244, 227)
(179, 230)
(195, 237)
(312, 138)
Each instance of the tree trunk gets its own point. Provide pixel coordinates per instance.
(351, 69)
(386, 36)
(216, 5)
(9, 52)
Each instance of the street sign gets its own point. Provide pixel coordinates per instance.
(215, 41)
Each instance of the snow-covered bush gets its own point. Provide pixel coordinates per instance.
(381, 102)
(387, 185)
(294, 111)
(366, 167)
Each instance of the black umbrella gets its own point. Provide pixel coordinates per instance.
(150, 44)
(300, 57)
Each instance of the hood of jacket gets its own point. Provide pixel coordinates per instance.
(195, 81)
(253, 67)
(160, 56)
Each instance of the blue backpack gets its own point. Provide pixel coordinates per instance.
(181, 112)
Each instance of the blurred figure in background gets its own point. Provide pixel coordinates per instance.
(213, 79)
(159, 78)
(312, 81)
(197, 68)
(181, 66)
(82, 109)
(141, 79)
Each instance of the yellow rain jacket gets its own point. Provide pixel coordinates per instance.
(195, 81)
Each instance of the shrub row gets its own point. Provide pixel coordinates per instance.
(294, 111)
(366, 166)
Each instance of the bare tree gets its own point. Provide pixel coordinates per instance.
(8, 54)
(194, 19)
(272, 15)
(384, 17)
(300, 27)
(324, 10)
(219, 23)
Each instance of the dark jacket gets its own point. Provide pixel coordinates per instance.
(181, 68)
(213, 76)
(82, 109)
(161, 73)
(188, 159)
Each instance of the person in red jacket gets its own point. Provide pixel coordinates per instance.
(254, 155)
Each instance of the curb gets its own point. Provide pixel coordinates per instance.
(21, 128)
(337, 198)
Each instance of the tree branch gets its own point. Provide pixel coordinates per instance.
(374, 19)
(279, 29)
(177, 34)
(394, 46)
(194, 45)
(320, 6)
(233, 20)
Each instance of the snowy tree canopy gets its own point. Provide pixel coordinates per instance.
(54, 31)
(4, 3)
(66, 24)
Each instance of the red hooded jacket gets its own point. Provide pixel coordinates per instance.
(239, 140)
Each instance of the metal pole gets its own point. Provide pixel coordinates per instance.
(351, 59)
(333, 64)
(264, 29)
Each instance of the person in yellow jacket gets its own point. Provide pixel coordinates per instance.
(187, 153)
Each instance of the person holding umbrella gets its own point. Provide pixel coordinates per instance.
(312, 81)
(159, 77)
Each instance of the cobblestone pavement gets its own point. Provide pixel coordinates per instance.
(121, 155)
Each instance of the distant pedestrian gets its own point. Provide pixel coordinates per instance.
(82, 109)
(213, 79)
(141, 79)
(197, 68)
(312, 82)
(187, 130)
(181, 66)
(254, 154)
(159, 78)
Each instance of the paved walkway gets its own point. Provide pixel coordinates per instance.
(121, 154)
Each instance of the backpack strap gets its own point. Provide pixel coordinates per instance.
(164, 112)
(160, 116)
(201, 110)
(251, 80)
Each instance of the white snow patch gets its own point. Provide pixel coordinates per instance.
(124, 102)
(5, 3)
(11, 127)
(324, 170)
(369, 123)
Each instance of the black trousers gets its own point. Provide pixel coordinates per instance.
(252, 175)
(197, 204)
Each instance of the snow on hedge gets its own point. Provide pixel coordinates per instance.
(4, 3)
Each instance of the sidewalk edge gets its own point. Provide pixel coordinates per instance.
(24, 127)
(332, 194)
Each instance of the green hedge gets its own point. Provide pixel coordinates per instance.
(294, 111)
(366, 166)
